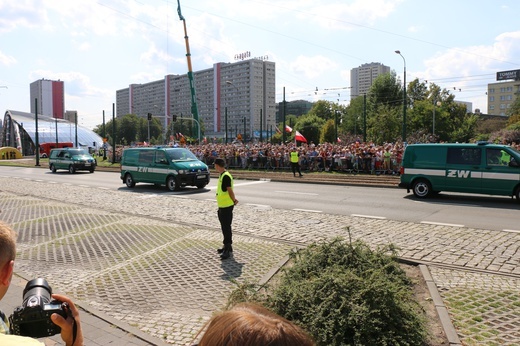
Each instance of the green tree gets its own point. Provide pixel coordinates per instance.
(324, 109)
(108, 133)
(515, 107)
(384, 125)
(386, 90)
(127, 127)
(353, 117)
(327, 132)
(309, 126)
(416, 91)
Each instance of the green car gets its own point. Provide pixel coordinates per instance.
(71, 159)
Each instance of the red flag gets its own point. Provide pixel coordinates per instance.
(288, 128)
(339, 140)
(299, 137)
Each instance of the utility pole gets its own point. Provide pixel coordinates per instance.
(113, 133)
(37, 144)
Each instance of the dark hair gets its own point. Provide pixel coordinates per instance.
(220, 162)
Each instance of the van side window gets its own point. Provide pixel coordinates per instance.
(131, 157)
(464, 156)
(160, 157)
(146, 156)
(494, 157)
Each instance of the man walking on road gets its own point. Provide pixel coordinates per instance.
(225, 201)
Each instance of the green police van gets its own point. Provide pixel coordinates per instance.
(71, 159)
(173, 167)
(469, 168)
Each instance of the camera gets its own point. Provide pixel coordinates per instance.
(33, 317)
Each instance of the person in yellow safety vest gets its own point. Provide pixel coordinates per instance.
(226, 201)
(295, 164)
(505, 158)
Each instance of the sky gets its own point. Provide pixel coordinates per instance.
(99, 46)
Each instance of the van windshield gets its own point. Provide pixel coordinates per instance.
(180, 154)
(74, 152)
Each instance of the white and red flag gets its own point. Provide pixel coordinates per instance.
(288, 128)
(299, 137)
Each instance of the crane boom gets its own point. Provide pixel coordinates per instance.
(194, 107)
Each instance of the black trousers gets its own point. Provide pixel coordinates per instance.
(295, 168)
(225, 216)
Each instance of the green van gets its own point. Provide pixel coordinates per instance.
(173, 167)
(469, 168)
(71, 159)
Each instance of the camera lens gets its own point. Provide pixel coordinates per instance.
(37, 288)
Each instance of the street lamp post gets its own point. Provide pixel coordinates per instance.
(336, 125)
(244, 129)
(404, 96)
(435, 103)
(238, 92)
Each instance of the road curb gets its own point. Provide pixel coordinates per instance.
(442, 311)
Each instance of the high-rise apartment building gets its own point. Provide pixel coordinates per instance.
(49, 96)
(501, 95)
(238, 96)
(362, 77)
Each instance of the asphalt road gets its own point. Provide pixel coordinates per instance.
(474, 211)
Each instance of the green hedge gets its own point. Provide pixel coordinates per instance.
(344, 293)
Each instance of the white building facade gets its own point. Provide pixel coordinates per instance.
(49, 96)
(237, 97)
(362, 77)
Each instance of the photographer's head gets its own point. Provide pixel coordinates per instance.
(7, 256)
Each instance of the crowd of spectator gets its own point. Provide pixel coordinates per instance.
(356, 157)
(352, 157)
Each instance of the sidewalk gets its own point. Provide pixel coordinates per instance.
(146, 262)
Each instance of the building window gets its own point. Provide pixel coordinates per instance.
(491, 107)
(502, 106)
(491, 98)
(492, 90)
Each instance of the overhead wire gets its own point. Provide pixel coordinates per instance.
(460, 79)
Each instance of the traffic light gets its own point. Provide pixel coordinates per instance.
(149, 116)
(174, 117)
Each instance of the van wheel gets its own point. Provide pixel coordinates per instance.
(53, 168)
(422, 188)
(72, 170)
(172, 185)
(517, 194)
(129, 181)
(200, 186)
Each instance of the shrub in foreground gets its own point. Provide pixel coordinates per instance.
(347, 294)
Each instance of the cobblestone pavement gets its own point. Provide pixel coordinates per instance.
(149, 260)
